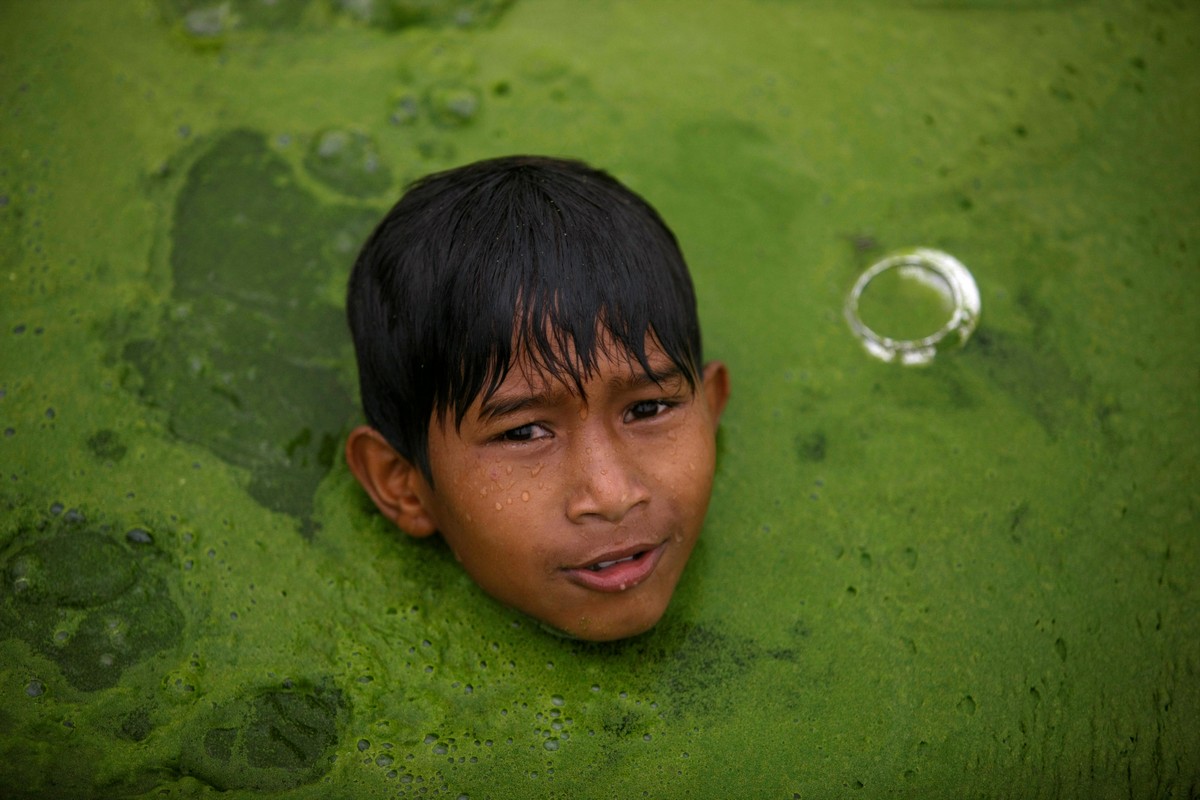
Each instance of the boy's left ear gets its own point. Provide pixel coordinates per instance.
(393, 482)
(716, 388)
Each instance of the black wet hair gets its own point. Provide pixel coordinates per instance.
(509, 257)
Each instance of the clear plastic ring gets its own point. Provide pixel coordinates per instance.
(937, 276)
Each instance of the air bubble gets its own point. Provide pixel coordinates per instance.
(139, 536)
(207, 22)
(919, 303)
(453, 105)
(406, 109)
(348, 162)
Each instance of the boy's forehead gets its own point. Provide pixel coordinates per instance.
(611, 361)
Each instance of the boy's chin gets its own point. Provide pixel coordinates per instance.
(589, 630)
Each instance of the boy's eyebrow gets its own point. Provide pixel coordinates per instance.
(503, 406)
(671, 374)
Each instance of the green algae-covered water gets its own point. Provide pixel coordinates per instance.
(976, 578)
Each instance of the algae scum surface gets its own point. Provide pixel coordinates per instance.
(976, 578)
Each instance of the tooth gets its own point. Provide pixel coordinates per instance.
(599, 565)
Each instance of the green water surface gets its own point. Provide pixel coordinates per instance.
(972, 579)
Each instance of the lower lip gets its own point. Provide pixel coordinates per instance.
(619, 577)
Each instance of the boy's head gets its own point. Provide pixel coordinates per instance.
(530, 368)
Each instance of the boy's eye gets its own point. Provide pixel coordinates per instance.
(645, 409)
(525, 433)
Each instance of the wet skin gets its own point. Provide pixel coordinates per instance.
(580, 511)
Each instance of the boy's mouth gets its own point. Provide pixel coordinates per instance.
(618, 571)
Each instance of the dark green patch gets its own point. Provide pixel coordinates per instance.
(136, 725)
(76, 568)
(290, 730)
(1036, 378)
(275, 739)
(219, 742)
(704, 665)
(811, 446)
(106, 445)
(694, 665)
(86, 603)
(246, 355)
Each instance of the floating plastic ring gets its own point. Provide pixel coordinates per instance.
(916, 277)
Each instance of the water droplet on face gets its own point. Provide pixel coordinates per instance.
(499, 506)
(583, 412)
(533, 473)
(525, 496)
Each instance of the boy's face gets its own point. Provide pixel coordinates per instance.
(580, 514)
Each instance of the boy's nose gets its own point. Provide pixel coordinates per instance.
(606, 484)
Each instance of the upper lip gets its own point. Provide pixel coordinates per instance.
(616, 554)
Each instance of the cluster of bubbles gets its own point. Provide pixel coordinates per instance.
(207, 21)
